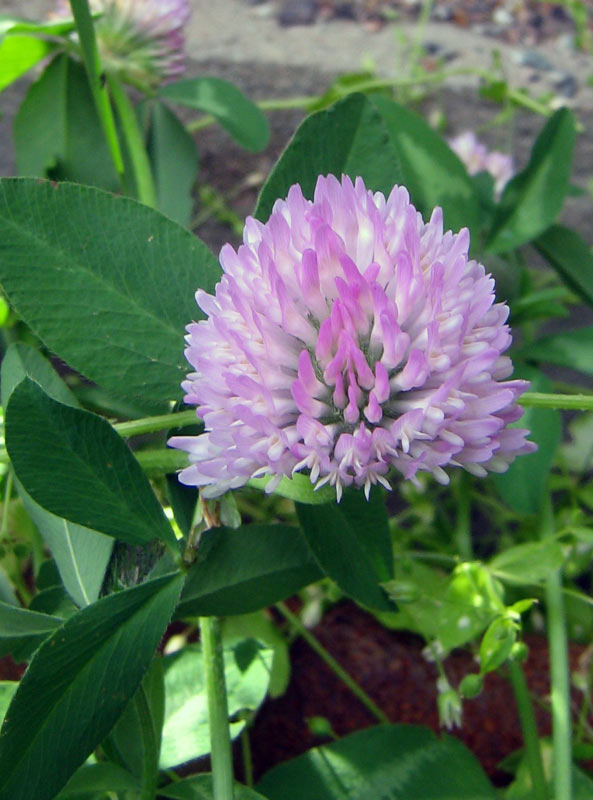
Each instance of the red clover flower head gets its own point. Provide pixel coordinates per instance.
(349, 338)
(141, 39)
(477, 158)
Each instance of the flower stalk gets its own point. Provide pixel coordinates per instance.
(218, 715)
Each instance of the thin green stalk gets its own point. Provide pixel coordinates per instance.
(575, 402)
(341, 673)
(161, 422)
(559, 674)
(463, 535)
(161, 461)
(6, 504)
(218, 714)
(530, 733)
(150, 761)
(135, 143)
(246, 754)
(90, 54)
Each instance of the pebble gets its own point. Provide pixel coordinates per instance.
(565, 84)
(297, 12)
(533, 59)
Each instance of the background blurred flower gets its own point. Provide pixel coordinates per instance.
(348, 337)
(477, 158)
(140, 39)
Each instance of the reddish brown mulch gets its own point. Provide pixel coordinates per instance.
(391, 669)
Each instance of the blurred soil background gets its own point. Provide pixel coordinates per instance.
(288, 48)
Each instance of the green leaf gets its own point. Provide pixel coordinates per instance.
(260, 626)
(243, 570)
(571, 257)
(106, 283)
(399, 762)
(533, 198)
(10, 24)
(18, 54)
(22, 361)
(174, 157)
(349, 138)
(572, 349)
(451, 609)
(7, 691)
(352, 544)
(16, 621)
(126, 743)
(532, 562)
(81, 554)
(94, 480)
(497, 644)
(524, 484)
(98, 778)
(186, 733)
(235, 112)
(199, 787)
(70, 144)
(430, 170)
(78, 684)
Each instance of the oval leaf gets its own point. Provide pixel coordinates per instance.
(399, 762)
(243, 570)
(524, 484)
(106, 283)
(430, 170)
(533, 198)
(87, 474)
(200, 787)
(235, 112)
(349, 138)
(352, 544)
(573, 349)
(77, 685)
(186, 731)
(81, 554)
(16, 621)
(18, 54)
(571, 257)
(532, 562)
(174, 157)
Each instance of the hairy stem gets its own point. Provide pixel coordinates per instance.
(218, 714)
(559, 673)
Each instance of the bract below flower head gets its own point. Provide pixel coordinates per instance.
(349, 338)
(140, 39)
(477, 158)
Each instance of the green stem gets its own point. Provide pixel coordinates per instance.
(463, 537)
(135, 142)
(161, 461)
(150, 762)
(559, 674)
(247, 760)
(530, 733)
(88, 43)
(346, 679)
(218, 715)
(152, 424)
(575, 402)
(5, 506)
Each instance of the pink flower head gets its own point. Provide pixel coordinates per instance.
(477, 158)
(349, 338)
(141, 39)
